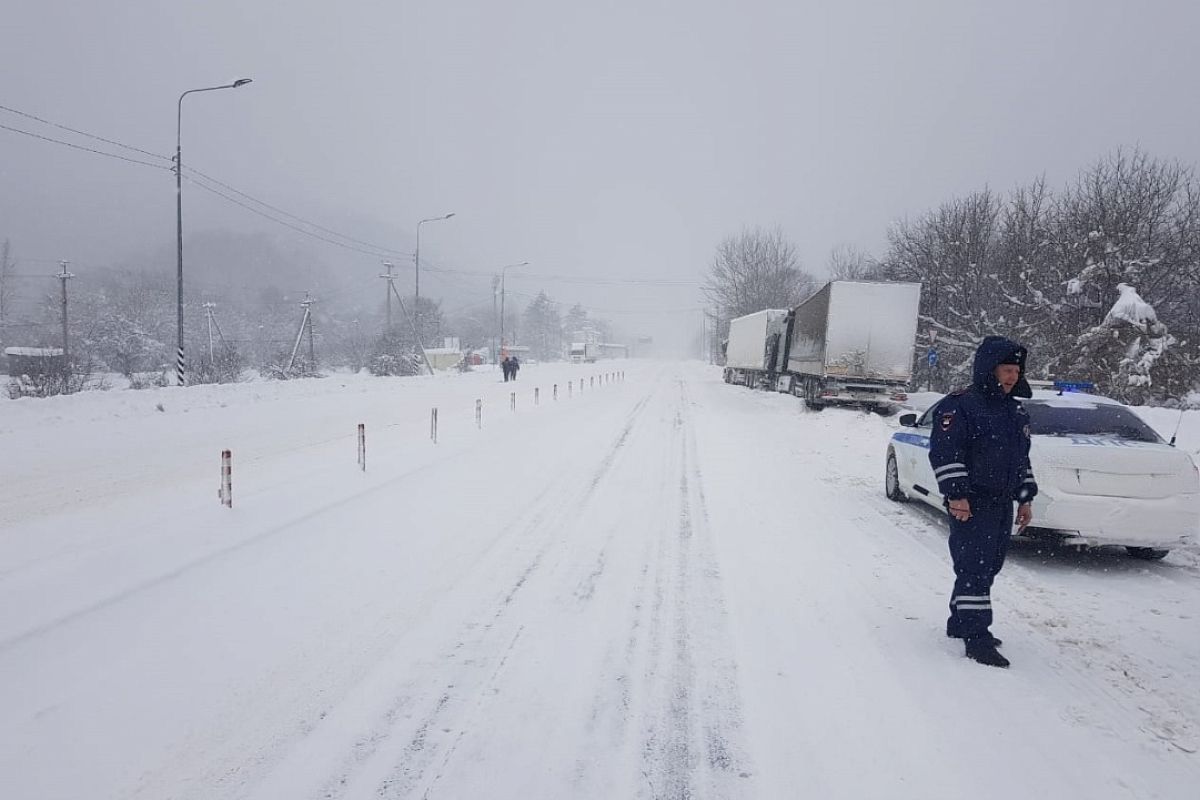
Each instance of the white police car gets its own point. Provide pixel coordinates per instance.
(1104, 476)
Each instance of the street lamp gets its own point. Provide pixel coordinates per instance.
(503, 273)
(417, 258)
(179, 372)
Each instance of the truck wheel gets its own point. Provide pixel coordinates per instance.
(1147, 553)
(810, 396)
(891, 480)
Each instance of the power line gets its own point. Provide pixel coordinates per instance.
(83, 133)
(386, 250)
(609, 281)
(278, 210)
(376, 250)
(81, 147)
(285, 223)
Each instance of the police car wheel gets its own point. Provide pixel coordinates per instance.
(1147, 553)
(892, 481)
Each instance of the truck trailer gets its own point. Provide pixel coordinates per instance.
(752, 352)
(851, 343)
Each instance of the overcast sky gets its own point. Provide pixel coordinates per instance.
(620, 140)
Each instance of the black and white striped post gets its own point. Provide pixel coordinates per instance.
(536, 401)
(479, 414)
(225, 494)
(362, 447)
(570, 388)
(556, 391)
(433, 425)
(512, 401)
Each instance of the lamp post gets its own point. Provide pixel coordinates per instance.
(417, 288)
(503, 274)
(179, 370)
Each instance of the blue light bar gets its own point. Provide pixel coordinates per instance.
(1074, 386)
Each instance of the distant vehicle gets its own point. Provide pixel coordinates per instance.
(851, 343)
(583, 352)
(1104, 476)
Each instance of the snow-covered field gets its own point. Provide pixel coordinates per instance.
(662, 587)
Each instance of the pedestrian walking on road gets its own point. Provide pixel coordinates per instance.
(979, 450)
(506, 368)
(514, 365)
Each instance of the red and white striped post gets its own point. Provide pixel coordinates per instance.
(226, 491)
(362, 447)
(433, 425)
(479, 414)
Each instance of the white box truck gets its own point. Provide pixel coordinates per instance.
(753, 349)
(851, 343)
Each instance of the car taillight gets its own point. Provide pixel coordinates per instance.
(829, 393)
(900, 397)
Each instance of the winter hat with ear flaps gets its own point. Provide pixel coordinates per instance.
(995, 350)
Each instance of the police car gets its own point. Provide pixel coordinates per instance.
(1104, 476)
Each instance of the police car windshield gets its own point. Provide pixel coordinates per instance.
(1102, 419)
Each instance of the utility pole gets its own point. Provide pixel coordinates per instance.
(4, 269)
(64, 276)
(312, 348)
(305, 326)
(417, 285)
(389, 266)
(208, 311)
(421, 347)
(495, 319)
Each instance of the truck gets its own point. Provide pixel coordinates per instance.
(753, 349)
(583, 352)
(851, 343)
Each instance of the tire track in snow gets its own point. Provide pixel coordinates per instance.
(691, 714)
(397, 757)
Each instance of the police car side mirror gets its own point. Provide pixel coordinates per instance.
(908, 420)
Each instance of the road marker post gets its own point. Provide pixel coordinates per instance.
(225, 494)
(362, 447)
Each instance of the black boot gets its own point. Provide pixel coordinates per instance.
(983, 651)
(953, 634)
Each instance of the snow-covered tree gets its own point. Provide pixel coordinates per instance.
(754, 270)
(543, 328)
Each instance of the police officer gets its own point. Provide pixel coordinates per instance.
(980, 454)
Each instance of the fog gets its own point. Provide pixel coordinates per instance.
(611, 145)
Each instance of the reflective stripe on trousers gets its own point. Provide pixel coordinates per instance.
(977, 547)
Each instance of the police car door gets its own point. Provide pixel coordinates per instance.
(920, 470)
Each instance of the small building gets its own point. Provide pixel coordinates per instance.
(34, 361)
(443, 357)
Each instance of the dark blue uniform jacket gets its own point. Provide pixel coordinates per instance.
(979, 446)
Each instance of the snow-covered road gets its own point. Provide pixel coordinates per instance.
(661, 587)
